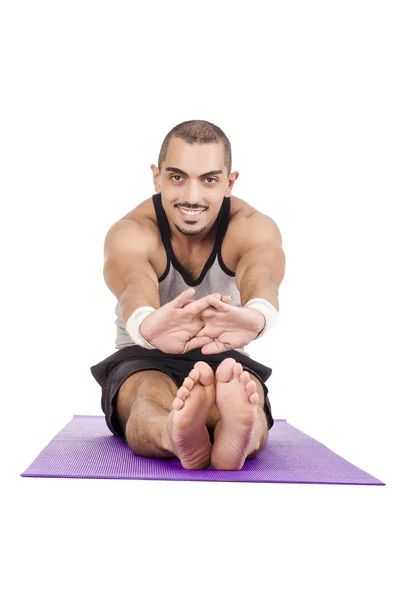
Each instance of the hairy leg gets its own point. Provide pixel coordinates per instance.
(144, 401)
(161, 420)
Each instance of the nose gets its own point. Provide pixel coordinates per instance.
(191, 197)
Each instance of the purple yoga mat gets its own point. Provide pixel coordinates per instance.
(85, 448)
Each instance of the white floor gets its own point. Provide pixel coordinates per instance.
(66, 538)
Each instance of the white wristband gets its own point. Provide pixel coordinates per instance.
(268, 311)
(133, 323)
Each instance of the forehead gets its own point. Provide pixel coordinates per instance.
(195, 157)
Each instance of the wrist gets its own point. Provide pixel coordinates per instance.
(133, 326)
(146, 333)
(259, 323)
(268, 311)
(262, 326)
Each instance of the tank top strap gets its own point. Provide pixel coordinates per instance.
(222, 225)
(162, 222)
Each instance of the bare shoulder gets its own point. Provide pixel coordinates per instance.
(142, 211)
(141, 221)
(241, 212)
(249, 226)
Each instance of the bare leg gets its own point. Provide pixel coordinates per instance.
(143, 405)
(146, 429)
(162, 421)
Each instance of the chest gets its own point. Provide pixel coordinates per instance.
(195, 262)
(193, 265)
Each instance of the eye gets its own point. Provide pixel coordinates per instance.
(180, 178)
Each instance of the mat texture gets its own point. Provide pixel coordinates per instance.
(85, 448)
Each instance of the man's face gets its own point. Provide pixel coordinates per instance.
(193, 176)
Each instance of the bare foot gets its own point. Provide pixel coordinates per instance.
(186, 424)
(237, 400)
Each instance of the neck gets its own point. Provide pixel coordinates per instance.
(193, 243)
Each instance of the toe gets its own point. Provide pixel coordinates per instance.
(205, 373)
(237, 370)
(194, 375)
(182, 393)
(224, 371)
(177, 403)
(250, 387)
(254, 398)
(245, 377)
(188, 383)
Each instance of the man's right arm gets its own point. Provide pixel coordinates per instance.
(127, 269)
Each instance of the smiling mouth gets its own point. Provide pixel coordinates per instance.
(194, 214)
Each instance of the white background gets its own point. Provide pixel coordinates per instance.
(306, 93)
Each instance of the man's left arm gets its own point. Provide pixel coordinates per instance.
(261, 265)
(259, 273)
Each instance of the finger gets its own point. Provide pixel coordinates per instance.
(212, 348)
(208, 313)
(199, 342)
(181, 300)
(199, 305)
(218, 304)
(216, 347)
(216, 295)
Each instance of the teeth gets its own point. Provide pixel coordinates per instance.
(191, 212)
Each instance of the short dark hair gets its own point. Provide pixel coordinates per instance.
(197, 132)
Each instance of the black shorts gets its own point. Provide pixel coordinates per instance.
(111, 373)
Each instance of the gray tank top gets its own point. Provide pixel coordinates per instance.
(215, 276)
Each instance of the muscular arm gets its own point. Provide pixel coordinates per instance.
(259, 273)
(261, 266)
(127, 269)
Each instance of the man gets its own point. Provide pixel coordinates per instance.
(168, 391)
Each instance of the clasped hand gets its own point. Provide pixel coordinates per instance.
(210, 323)
(229, 326)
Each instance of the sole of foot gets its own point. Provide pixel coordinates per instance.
(188, 436)
(237, 399)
